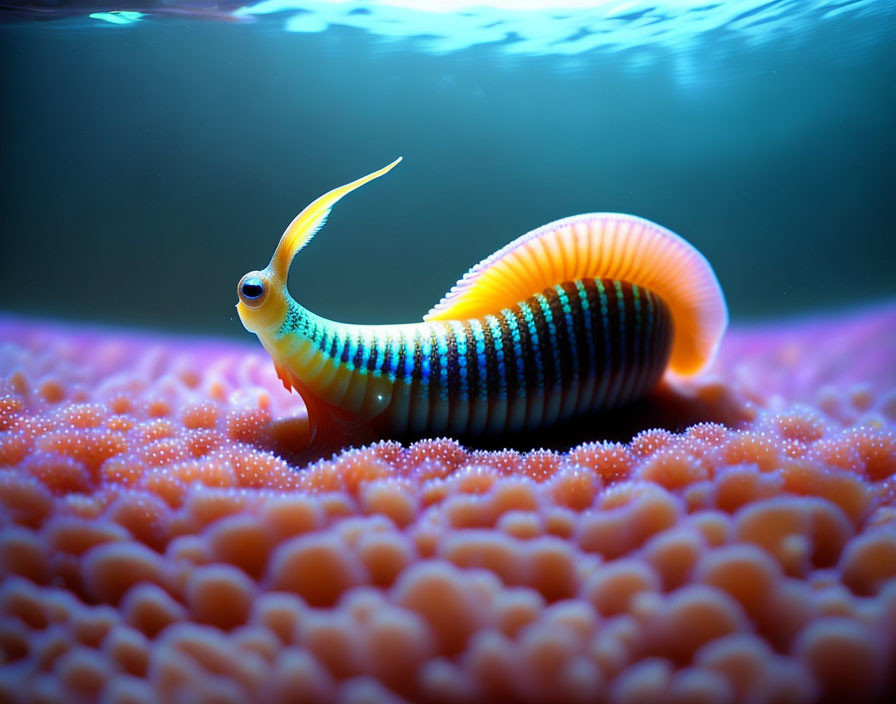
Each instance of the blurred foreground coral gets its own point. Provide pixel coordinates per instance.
(155, 545)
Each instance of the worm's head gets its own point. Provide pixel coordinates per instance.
(262, 304)
(263, 296)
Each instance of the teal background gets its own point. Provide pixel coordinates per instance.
(145, 169)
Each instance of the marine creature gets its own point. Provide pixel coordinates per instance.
(584, 313)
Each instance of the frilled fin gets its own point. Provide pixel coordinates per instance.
(328, 427)
(306, 224)
(602, 245)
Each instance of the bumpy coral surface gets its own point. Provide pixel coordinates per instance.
(155, 545)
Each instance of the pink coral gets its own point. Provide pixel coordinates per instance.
(156, 545)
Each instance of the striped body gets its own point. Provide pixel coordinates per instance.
(621, 300)
(574, 348)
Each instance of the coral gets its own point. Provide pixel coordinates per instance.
(157, 542)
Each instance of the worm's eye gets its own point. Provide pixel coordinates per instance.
(252, 290)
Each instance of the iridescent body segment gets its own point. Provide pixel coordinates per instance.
(572, 349)
(582, 314)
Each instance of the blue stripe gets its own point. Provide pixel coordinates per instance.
(395, 346)
(365, 345)
(340, 344)
(620, 301)
(481, 360)
(425, 358)
(460, 341)
(570, 327)
(425, 343)
(510, 319)
(380, 345)
(604, 311)
(533, 343)
(442, 349)
(498, 343)
(352, 342)
(552, 337)
(410, 346)
(589, 331)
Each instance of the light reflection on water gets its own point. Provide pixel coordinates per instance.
(527, 27)
(560, 27)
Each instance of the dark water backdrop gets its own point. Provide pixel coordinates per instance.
(144, 169)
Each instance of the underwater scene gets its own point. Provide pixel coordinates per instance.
(436, 351)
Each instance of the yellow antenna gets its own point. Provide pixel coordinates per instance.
(306, 224)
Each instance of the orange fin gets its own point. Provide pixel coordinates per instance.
(329, 427)
(285, 376)
(602, 245)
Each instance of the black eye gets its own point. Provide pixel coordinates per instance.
(252, 288)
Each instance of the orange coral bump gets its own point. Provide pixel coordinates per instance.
(156, 544)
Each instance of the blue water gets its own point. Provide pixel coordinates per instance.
(153, 152)
(561, 27)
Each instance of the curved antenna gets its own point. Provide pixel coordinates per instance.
(306, 224)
